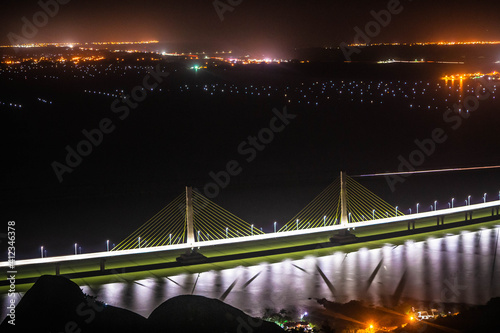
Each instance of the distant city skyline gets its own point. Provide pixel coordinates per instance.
(268, 28)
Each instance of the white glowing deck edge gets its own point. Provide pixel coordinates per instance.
(103, 255)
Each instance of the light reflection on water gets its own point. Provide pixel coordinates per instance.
(451, 269)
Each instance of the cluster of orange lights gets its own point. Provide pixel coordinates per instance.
(124, 43)
(429, 43)
(74, 59)
(468, 76)
(78, 44)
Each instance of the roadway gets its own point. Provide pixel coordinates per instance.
(243, 249)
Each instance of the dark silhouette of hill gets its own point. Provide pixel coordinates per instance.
(195, 314)
(56, 304)
(482, 318)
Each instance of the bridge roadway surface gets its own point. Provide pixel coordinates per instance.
(161, 261)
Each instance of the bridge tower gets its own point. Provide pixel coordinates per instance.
(189, 215)
(343, 199)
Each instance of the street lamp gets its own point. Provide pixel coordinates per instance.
(410, 211)
(396, 211)
(139, 240)
(417, 206)
(373, 214)
(227, 229)
(449, 205)
(435, 205)
(297, 225)
(252, 229)
(275, 226)
(41, 251)
(170, 239)
(452, 199)
(468, 198)
(75, 248)
(349, 217)
(198, 235)
(484, 198)
(324, 221)
(107, 245)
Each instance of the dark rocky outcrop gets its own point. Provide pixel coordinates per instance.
(197, 314)
(56, 304)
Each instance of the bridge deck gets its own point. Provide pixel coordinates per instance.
(245, 250)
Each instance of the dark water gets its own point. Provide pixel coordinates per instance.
(457, 268)
(194, 125)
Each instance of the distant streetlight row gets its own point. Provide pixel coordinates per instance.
(43, 251)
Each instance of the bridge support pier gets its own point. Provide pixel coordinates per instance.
(468, 216)
(440, 220)
(102, 265)
(411, 225)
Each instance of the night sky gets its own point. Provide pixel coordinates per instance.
(267, 26)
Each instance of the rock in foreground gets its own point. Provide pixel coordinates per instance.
(56, 304)
(197, 314)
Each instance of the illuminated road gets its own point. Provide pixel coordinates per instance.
(287, 234)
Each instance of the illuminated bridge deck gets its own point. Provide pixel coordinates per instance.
(250, 250)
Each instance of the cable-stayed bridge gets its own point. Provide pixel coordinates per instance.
(192, 221)
(192, 218)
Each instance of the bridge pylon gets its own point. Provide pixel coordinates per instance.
(189, 215)
(343, 198)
